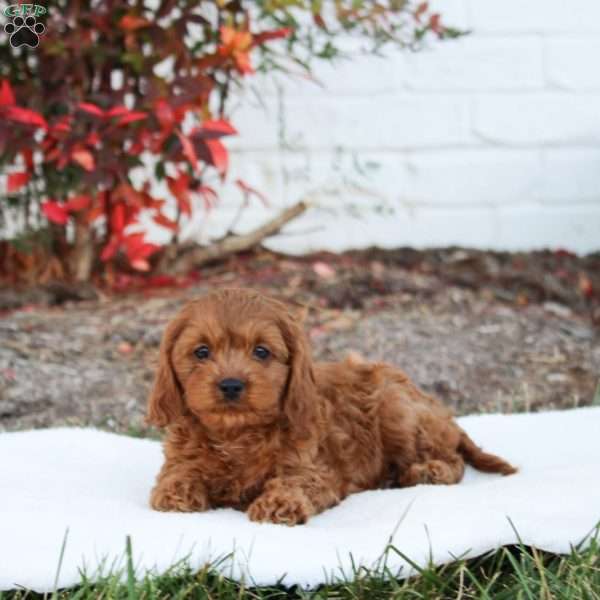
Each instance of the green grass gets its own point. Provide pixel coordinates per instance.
(514, 572)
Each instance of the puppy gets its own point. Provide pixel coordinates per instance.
(253, 423)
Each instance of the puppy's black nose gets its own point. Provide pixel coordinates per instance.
(231, 388)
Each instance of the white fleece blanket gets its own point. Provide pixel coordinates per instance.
(96, 485)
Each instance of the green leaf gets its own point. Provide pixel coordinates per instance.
(159, 170)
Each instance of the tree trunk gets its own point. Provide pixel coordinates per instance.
(82, 258)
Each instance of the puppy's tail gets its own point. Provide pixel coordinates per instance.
(476, 457)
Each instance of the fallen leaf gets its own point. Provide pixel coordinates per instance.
(125, 348)
(9, 374)
(585, 285)
(323, 270)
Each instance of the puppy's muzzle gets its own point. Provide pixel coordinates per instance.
(231, 388)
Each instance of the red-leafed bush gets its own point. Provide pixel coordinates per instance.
(79, 112)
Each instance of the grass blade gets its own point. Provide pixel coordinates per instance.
(60, 562)
(131, 593)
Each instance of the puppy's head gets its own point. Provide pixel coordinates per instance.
(235, 358)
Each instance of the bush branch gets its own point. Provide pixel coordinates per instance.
(192, 256)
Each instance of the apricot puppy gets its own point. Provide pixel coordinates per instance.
(253, 423)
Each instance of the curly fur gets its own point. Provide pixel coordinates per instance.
(303, 435)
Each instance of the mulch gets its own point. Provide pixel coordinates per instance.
(484, 331)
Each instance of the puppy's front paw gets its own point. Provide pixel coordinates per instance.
(285, 507)
(179, 496)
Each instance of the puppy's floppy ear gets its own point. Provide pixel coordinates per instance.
(165, 402)
(299, 311)
(300, 402)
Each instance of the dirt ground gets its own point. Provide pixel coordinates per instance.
(483, 331)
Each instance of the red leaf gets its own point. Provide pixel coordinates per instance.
(180, 189)
(131, 118)
(435, 24)
(129, 195)
(149, 201)
(209, 196)
(26, 116)
(157, 142)
(55, 212)
(250, 191)
(188, 150)
(53, 154)
(236, 45)
(83, 158)
(138, 250)
(140, 264)
(94, 214)
(28, 158)
(185, 205)
(133, 22)
(564, 253)
(92, 109)
(110, 249)
(117, 111)
(117, 218)
(214, 129)
(160, 219)
(7, 96)
(62, 161)
(243, 63)
(99, 208)
(62, 125)
(131, 214)
(133, 241)
(161, 281)
(218, 154)
(143, 250)
(319, 21)
(16, 181)
(265, 36)
(421, 10)
(585, 285)
(136, 148)
(77, 203)
(92, 139)
(164, 113)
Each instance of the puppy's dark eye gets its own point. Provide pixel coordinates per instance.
(261, 353)
(202, 352)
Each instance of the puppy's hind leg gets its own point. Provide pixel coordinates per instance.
(420, 439)
(434, 471)
(398, 430)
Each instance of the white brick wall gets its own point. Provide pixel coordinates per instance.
(489, 141)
